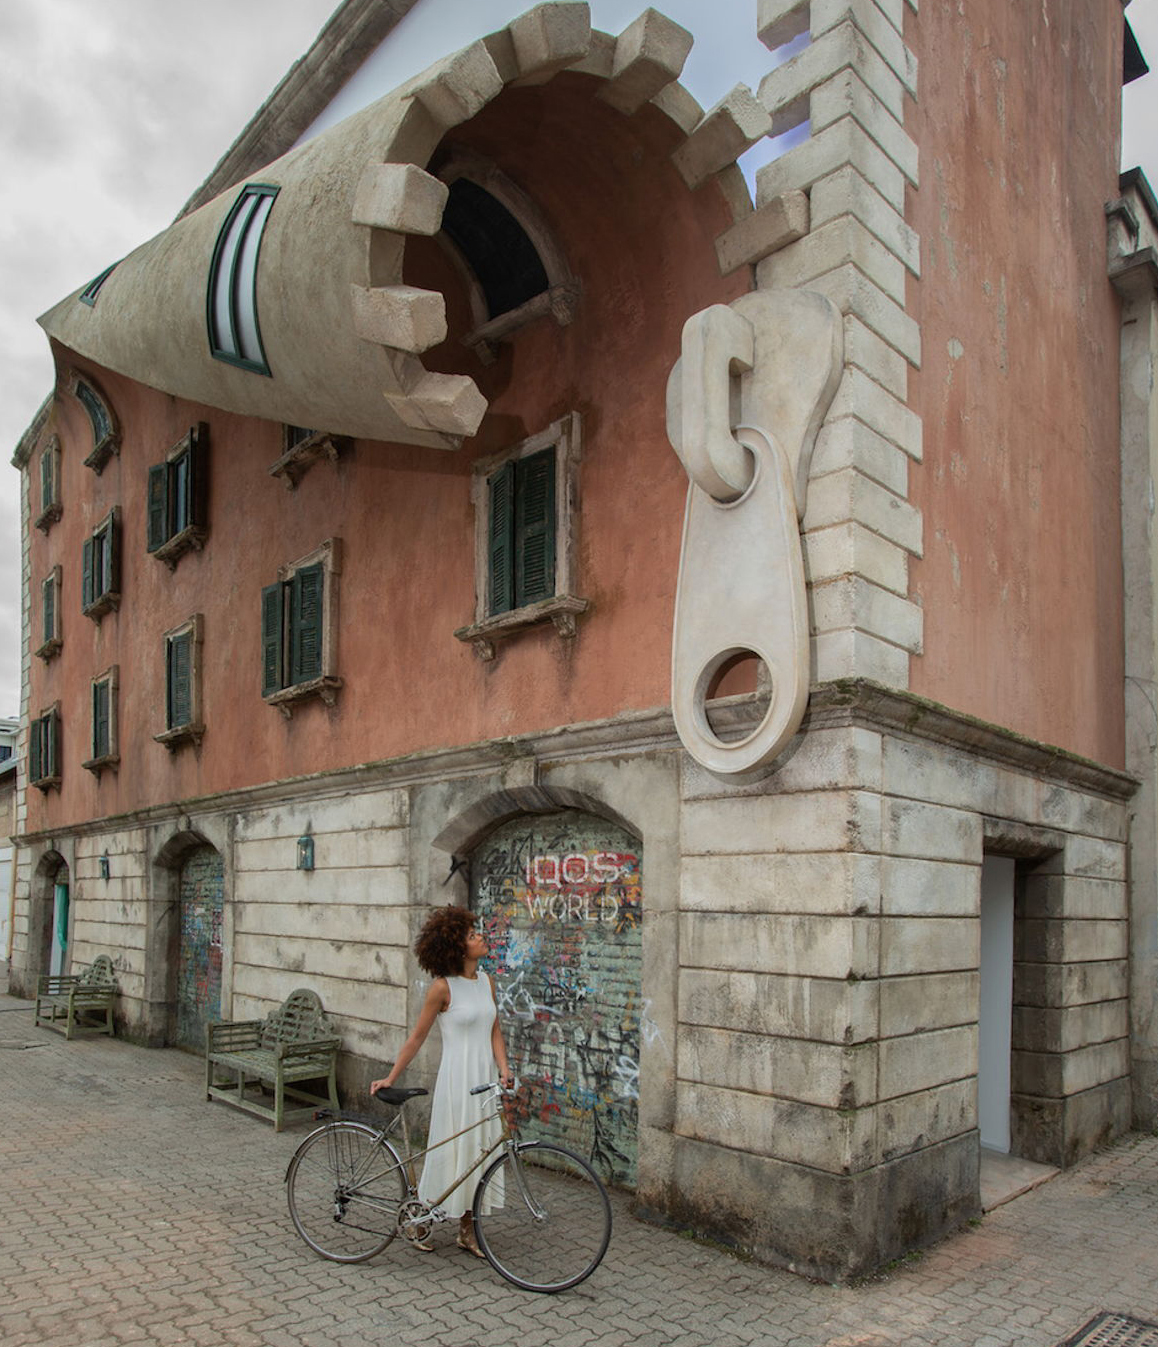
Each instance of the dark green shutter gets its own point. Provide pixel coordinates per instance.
(51, 760)
(158, 505)
(36, 750)
(271, 640)
(87, 593)
(100, 719)
(535, 528)
(306, 624)
(112, 566)
(49, 594)
(47, 495)
(198, 500)
(178, 681)
(501, 539)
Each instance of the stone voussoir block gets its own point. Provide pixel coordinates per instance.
(843, 143)
(400, 316)
(400, 197)
(458, 88)
(847, 192)
(550, 37)
(847, 95)
(649, 54)
(736, 123)
(876, 25)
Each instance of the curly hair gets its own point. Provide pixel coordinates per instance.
(441, 944)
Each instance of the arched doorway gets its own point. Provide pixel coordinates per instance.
(200, 890)
(560, 901)
(48, 918)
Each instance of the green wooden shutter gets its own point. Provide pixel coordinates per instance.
(306, 623)
(47, 495)
(179, 681)
(100, 719)
(112, 558)
(51, 759)
(272, 664)
(87, 592)
(36, 750)
(158, 506)
(535, 528)
(501, 539)
(198, 504)
(48, 591)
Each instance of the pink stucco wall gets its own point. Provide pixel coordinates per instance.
(1021, 586)
(642, 246)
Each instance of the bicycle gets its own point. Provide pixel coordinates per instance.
(541, 1215)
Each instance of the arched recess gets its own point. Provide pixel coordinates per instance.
(555, 881)
(49, 925)
(189, 939)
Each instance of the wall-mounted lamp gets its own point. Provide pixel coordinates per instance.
(305, 852)
(104, 863)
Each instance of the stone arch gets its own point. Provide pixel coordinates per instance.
(166, 950)
(472, 825)
(51, 868)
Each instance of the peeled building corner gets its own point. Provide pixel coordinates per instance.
(745, 670)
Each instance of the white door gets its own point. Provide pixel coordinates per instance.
(995, 1012)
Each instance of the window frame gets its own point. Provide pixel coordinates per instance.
(104, 753)
(192, 729)
(107, 438)
(103, 547)
(50, 626)
(90, 292)
(561, 297)
(44, 741)
(225, 278)
(563, 606)
(280, 634)
(51, 508)
(184, 529)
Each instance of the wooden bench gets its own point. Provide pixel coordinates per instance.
(81, 1002)
(295, 1043)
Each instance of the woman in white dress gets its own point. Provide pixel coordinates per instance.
(462, 999)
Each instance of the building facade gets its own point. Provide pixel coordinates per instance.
(741, 600)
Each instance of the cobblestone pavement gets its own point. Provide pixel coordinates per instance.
(135, 1212)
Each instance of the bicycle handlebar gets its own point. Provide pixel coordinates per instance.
(491, 1085)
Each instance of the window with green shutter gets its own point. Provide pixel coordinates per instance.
(522, 532)
(50, 503)
(298, 630)
(525, 537)
(176, 513)
(104, 750)
(44, 749)
(100, 584)
(183, 717)
(50, 640)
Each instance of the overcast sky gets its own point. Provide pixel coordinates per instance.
(113, 111)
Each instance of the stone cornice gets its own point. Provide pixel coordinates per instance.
(857, 702)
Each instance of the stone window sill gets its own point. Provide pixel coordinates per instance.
(98, 765)
(181, 734)
(325, 687)
(48, 516)
(188, 540)
(296, 462)
(49, 648)
(562, 610)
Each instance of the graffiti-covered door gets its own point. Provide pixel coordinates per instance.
(559, 901)
(201, 890)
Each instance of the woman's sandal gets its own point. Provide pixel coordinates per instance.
(467, 1242)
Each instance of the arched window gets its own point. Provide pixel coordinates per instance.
(106, 434)
(514, 270)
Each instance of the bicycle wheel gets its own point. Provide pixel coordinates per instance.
(542, 1219)
(345, 1185)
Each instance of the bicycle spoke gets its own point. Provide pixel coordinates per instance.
(345, 1186)
(545, 1225)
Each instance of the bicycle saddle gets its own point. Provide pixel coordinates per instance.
(396, 1094)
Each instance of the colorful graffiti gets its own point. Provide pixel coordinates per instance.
(559, 900)
(199, 955)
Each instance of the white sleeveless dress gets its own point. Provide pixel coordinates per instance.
(467, 1060)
